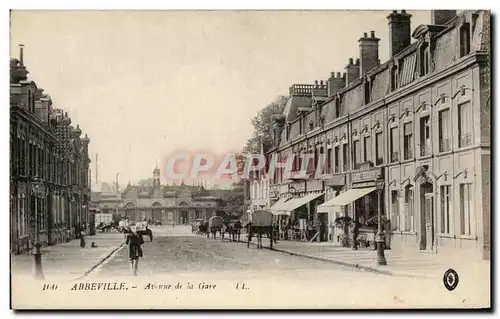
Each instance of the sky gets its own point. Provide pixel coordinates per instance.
(145, 84)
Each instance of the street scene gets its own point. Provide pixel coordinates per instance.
(183, 159)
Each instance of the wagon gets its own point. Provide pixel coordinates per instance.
(215, 224)
(262, 223)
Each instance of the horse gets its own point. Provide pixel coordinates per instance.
(215, 224)
(233, 228)
(203, 228)
(258, 231)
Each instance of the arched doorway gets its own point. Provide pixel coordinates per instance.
(428, 236)
(184, 213)
(157, 211)
(130, 209)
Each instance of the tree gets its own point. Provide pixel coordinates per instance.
(262, 124)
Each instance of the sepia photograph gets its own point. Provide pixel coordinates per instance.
(250, 159)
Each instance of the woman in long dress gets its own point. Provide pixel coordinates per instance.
(134, 242)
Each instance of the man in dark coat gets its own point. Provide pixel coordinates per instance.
(135, 242)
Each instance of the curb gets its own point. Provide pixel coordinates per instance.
(348, 264)
(101, 261)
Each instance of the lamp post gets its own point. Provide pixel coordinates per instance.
(380, 239)
(38, 191)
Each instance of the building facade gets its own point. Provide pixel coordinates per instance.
(419, 123)
(49, 165)
(179, 204)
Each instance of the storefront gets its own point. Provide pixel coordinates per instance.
(364, 198)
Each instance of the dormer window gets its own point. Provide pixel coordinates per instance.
(394, 79)
(424, 59)
(367, 91)
(337, 107)
(464, 39)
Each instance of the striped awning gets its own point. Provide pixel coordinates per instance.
(407, 74)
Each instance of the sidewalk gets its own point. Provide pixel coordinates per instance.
(401, 262)
(69, 260)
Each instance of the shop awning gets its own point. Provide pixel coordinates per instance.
(345, 198)
(278, 206)
(297, 202)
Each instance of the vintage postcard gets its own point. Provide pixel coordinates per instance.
(250, 159)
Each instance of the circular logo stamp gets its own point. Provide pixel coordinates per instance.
(450, 279)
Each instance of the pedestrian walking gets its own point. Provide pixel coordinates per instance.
(355, 232)
(134, 242)
(82, 238)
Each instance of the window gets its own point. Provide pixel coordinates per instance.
(394, 145)
(464, 125)
(394, 79)
(409, 209)
(345, 156)
(465, 209)
(394, 210)
(337, 155)
(367, 92)
(379, 148)
(444, 130)
(425, 136)
(445, 209)
(367, 149)
(424, 59)
(329, 160)
(464, 39)
(321, 158)
(356, 154)
(22, 218)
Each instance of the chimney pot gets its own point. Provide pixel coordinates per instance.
(399, 32)
(21, 54)
(372, 34)
(357, 61)
(338, 75)
(321, 82)
(441, 17)
(332, 74)
(394, 11)
(365, 35)
(351, 61)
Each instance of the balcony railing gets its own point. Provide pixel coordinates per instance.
(379, 161)
(465, 140)
(444, 145)
(425, 150)
(408, 154)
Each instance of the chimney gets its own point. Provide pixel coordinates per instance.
(441, 17)
(368, 52)
(399, 31)
(335, 83)
(352, 71)
(21, 54)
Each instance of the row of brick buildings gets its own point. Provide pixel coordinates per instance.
(49, 167)
(419, 123)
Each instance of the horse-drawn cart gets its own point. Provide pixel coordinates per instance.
(261, 223)
(215, 224)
